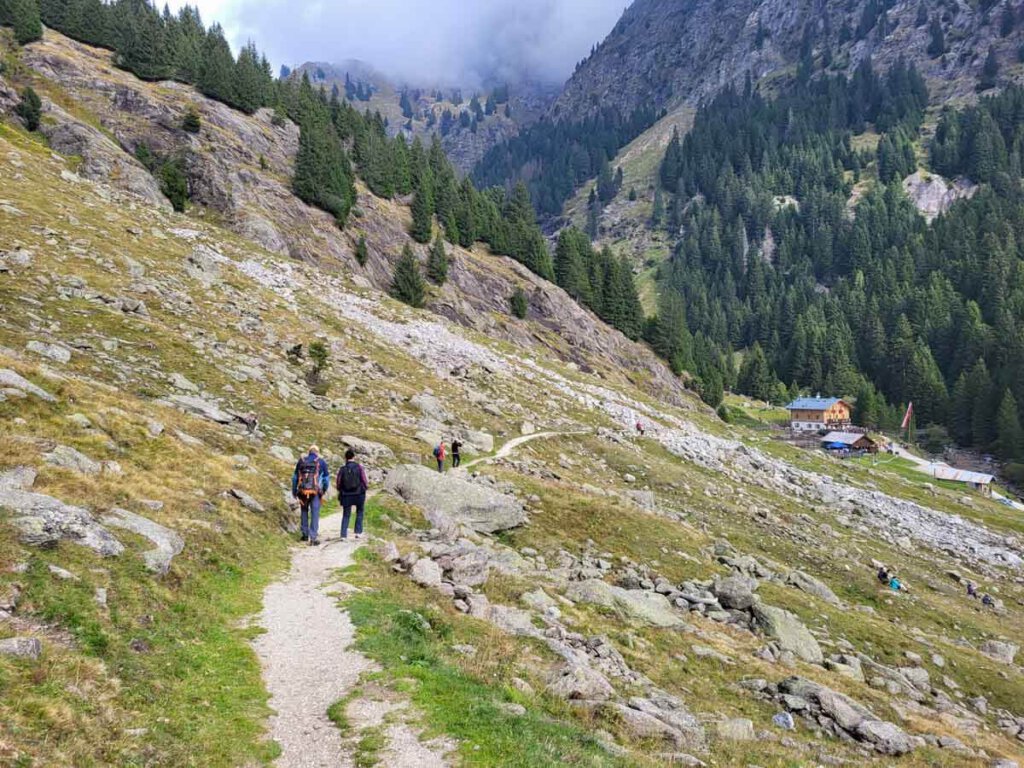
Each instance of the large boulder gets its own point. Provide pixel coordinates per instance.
(200, 407)
(367, 448)
(735, 592)
(788, 631)
(44, 521)
(577, 681)
(11, 380)
(426, 573)
(999, 651)
(817, 701)
(813, 586)
(65, 457)
(167, 543)
(637, 604)
(448, 499)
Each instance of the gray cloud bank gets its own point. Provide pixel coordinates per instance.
(463, 42)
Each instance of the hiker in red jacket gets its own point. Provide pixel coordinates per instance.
(440, 453)
(352, 486)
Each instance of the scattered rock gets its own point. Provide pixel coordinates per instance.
(56, 352)
(21, 648)
(577, 681)
(813, 586)
(66, 457)
(168, 543)
(247, 501)
(788, 631)
(426, 573)
(735, 592)
(641, 605)
(736, 729)
(999, 651)
(11, 380)
(281, 453)
(43, 520)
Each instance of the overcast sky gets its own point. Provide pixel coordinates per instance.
(450, 41)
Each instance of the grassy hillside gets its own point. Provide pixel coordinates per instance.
(153, 332)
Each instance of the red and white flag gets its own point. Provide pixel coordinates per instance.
(907, 417)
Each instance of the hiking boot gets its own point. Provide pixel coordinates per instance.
(314, 542)
(304, 538)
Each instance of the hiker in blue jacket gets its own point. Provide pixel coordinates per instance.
(310, 482)
(352, 486)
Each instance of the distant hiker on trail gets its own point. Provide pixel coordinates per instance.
(640, 428)
(440, 453)
(456, 453)
(883, 575)
(987, 601)
(972, 591)
(310, 482)
(352, 486)
(895, 584)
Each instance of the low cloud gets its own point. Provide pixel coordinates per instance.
(464, 42)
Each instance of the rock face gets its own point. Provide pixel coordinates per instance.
(449, 500)
(637, 604)
(44, 521)
(845, 715)
(933, 195)
(168, 543)
(788, 631)
(663, 53)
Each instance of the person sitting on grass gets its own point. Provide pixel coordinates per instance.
(352, 487)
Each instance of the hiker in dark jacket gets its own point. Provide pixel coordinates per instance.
(456, 452)
(310, 482)
(352, 485)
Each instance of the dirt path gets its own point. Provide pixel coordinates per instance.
(307, 664)
(506, 450)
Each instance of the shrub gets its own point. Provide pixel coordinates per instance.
(30, 108)
(191, 122)
(174, 184)
(518, 303)
(723, 413)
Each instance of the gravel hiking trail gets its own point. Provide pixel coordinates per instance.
(305, 653)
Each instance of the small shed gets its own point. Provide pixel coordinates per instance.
(978, 481)
(850, 441)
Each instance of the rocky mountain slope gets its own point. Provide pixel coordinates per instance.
(673, 53)
(464, 146)
(701, 594)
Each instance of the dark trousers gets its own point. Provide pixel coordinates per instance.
(349, 503)
(440, 465)
(456, 459)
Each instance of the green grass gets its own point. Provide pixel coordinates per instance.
(369, 747)
(412, 643)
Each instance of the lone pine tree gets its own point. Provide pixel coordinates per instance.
(407, 283)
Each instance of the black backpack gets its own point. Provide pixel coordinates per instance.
(350, 479)
(308, 483)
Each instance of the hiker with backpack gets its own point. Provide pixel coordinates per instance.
(440, 453)
(352, 486)
(310, 482)
(456, 453)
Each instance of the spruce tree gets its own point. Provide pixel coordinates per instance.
(936, 39)
(1009, 436)
(422, 215)
(25, 20)
(989, 71)
(407, 283)
(323, 175)
(174, 184)
(437, 262)
(30, 108)
(362, 251)
(518, 303)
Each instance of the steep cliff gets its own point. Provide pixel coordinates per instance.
(670, 52)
